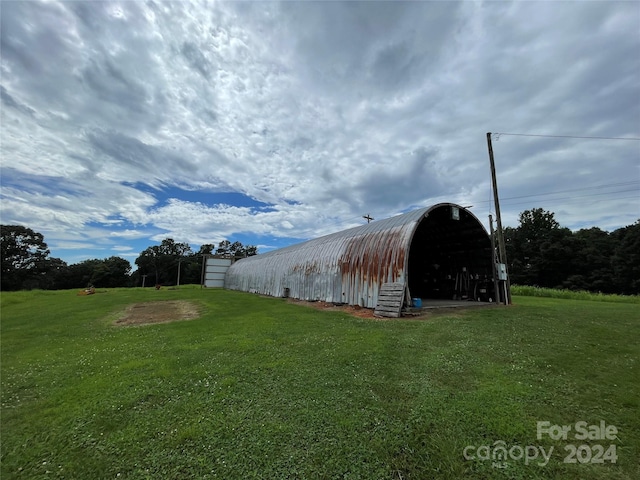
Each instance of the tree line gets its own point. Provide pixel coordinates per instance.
(27, 265)
(540, 252)
(173, 262)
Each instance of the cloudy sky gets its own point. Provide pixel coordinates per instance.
(123, 123)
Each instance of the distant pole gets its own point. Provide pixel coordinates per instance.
(204, 262)
(496, 288)
(368, 218)
(144, 277)
(178, 282)
(501, 247)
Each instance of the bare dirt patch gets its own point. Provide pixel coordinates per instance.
(361, 312)
(158, 312)
(354, 310)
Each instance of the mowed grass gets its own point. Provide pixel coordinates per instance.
(260, 388)
(529, 291)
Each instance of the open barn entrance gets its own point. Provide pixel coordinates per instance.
(450, 257)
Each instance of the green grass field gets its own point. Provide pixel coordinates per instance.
(261, 388)
(528, 291)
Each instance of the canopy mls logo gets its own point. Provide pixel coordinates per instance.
(500, 454)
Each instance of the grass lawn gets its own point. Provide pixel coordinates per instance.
(260, 388)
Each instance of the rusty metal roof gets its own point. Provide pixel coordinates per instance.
(344, 267)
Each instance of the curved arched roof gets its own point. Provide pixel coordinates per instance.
(343, 267)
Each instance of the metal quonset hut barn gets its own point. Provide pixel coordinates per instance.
(441, 251)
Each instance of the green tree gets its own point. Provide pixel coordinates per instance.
(54, 274)
(625, 260)
(524, 245)
(111, 272)
(236, 249)
(191, 269)
(224, 248)
(24, 256)
(149, 263)
(80, 274)
(556, 261)
(206, 249)
(539, 251)
(592, 269)
(191, 266)
(161, 261)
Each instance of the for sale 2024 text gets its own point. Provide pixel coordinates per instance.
(580, 431)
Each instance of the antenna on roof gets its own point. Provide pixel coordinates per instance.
(368, 218)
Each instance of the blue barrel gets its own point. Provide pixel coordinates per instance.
(417, 302)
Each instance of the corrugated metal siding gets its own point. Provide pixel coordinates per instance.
(215, 271)
(345, 267)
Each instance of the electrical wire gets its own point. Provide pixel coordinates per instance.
(578, 197)
(620, 184)
(498, 134)
(507, 200)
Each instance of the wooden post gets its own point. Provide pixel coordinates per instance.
(204, 263)
(496, 288)
(502, 252)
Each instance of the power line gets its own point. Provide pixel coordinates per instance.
(564, 203)
(553, 199)
(593, 187)
(507, 200)
(564, 136)
(576, 197)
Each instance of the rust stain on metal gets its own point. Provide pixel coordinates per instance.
(348, 266)
(372, 256)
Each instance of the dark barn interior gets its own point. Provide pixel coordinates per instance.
(450, 257)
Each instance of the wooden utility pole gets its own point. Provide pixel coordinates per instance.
(502, 252)
(496, 287)
(204, 262)
(368, 218)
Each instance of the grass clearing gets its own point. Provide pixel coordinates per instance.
(260, 388)
(528, 291)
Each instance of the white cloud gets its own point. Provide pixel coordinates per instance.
(324, 111)
(127, 233)
(123, 249)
